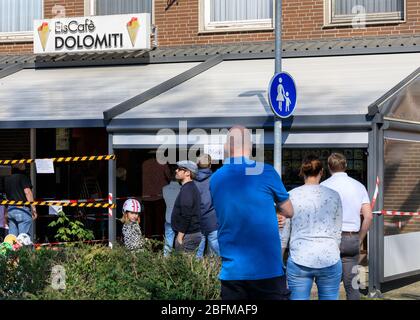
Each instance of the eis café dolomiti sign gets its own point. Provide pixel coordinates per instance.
(96, 33)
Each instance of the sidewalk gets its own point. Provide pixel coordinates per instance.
(403, 289)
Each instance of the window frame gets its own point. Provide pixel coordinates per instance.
(20, 36)
(371, 18)
(205, 26)
(90, 9)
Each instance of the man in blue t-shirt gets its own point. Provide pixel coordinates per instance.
(244, 193)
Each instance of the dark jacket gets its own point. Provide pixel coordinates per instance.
(186, 213)
(208, 219)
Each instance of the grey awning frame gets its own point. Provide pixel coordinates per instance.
(383, 126)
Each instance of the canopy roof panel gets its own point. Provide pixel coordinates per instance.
(75, 96)
(326, 86)
(405, 105)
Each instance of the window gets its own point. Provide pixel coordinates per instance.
(225, 15)
(108, 7)
(16, 18)
(361, 12)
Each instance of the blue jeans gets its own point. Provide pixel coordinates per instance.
(169, 239)
(20, 220)
(212, 242)
(300, 280)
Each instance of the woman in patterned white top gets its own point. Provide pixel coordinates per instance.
(314, 235)
(133, 238)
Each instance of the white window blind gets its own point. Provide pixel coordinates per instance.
(370, 11)
(344, 7)
(240, 10)
(18, 15)
(108, 7)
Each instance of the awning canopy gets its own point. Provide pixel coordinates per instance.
(344, 85)
(406, 104)
(75, 97)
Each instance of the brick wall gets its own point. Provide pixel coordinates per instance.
(73, 8)
(16, 48)
(302, 19)
(402, 185)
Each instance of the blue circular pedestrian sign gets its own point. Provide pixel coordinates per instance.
(282, 94)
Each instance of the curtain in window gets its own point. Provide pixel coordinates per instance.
(371, 6)
(106, 7)
(18, 15)
(237, 10)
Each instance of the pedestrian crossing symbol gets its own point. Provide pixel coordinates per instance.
(282, 94)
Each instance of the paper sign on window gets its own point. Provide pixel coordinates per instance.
(44, 165)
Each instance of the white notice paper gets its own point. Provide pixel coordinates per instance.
(216, 151)
(44, 165)
(54, 210)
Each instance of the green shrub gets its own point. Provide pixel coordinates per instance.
(70, 230)
(97, 272)
(24, 273)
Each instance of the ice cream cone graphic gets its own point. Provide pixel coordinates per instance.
(133, 28)
(44, 32)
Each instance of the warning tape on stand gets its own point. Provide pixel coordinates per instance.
(61, 159)
(59, 203)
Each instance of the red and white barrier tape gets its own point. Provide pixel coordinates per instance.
(375, 194)
(397, 213)
(49, 244)
(87, 216)
(397, 224)
(110, 202)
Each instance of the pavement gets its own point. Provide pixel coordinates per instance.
(402, 289)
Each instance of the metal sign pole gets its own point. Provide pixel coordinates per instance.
(112, 188)
(33, 176)
(277, 120)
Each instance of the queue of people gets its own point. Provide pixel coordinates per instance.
(247, 217)
(320, 224)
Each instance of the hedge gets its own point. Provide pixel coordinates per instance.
(98, 273)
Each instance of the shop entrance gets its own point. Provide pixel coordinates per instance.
(72, 181)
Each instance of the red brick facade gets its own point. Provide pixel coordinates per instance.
(74, 8)
(16, 48)
(302, 19)
(179, 25)
(402, 185)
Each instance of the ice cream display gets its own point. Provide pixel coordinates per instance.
(133, 28)
(43, 32)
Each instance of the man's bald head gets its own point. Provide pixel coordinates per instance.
(238, 142)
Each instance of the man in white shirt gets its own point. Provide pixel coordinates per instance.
(356, 202)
